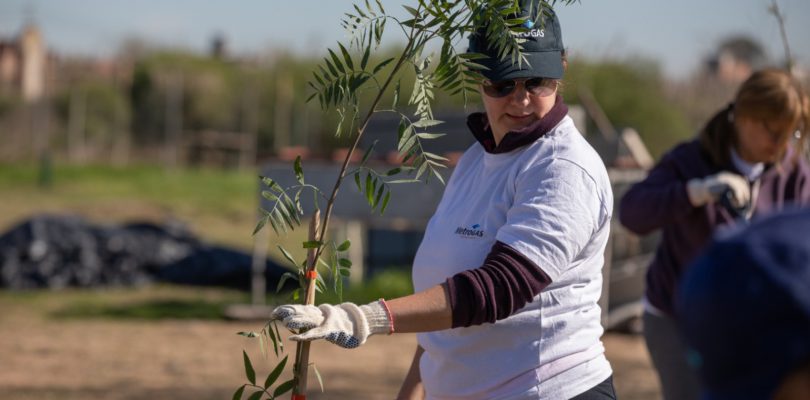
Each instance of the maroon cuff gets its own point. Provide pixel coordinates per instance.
(504, 284)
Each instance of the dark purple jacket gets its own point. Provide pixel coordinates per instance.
(660, 202)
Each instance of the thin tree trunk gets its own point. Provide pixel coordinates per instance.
(302, 348)
(76, 126)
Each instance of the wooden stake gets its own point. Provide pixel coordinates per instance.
(302, 348)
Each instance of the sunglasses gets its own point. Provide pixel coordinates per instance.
(535, 86)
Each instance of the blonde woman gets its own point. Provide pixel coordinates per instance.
(749, 160)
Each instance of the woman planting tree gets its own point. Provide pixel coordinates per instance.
(508, 274)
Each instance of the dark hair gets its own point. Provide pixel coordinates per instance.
(768, 94)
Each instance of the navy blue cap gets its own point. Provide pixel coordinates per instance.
(543, 47)
(744, 308)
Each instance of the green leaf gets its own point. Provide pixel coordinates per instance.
(250, 334)
(269, 196)
(256, 395)
(517, 23)
(374, 190)
(273, 223)
(379, 195)
(408, 144)
(434, 157)
(364, 61)
(317, 77)
(251, 374)
(283, 219)
(410, 23)
(378, 30)
(393, 171)
(345, 272)
(260, 224)
(368, 152)
(312, 244)
(339, 285)
(425, 135)
(357, 181)
(237, 395)
(412, 11)
(382, 65)
(287, 255)
(421, 169)
(283, 280)
(345, 262)
(262, 346)
(271, 378)
(359, 11)
(298, 208)
(278, 336)
(332, 70)
(406, 140)
(369, 188)
(284, 388)
(267, 181)
(402, 128)
(403, 181)
(346, 56)
(292, 210)
(299, 171)
(312, 96)
(345, 245)
(272, 337)
(336, 60)
(473, 56)
(385, 202)
(395, 103)
(315, 369)
(324, 263)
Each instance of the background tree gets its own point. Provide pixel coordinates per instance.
(634, 94)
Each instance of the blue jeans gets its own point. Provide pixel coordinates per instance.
(602, 391)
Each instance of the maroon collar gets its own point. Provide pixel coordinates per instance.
(479, 126)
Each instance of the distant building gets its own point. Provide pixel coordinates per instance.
(23, 64)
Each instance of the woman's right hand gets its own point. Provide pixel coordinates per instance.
(709, 189)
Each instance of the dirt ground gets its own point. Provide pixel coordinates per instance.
(42, 358)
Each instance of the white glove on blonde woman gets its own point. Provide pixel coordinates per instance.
(346, 325)
(709, 189)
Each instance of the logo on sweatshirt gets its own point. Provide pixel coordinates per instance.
(474, 231)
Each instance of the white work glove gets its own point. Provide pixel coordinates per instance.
(346, 325)
(709, 189)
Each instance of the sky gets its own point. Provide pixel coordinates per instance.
(677, 34)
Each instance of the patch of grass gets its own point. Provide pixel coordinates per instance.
(149, 310)
(219, 207)
(389, 283)
(180, 302)
(202, 190)
(151, 303)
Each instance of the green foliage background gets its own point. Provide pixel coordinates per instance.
(632, 94)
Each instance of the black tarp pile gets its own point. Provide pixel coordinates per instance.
(65, 251)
